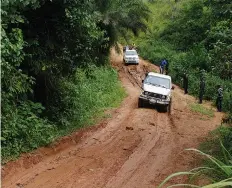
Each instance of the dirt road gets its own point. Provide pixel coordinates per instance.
(134, 148)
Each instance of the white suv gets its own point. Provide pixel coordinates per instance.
(157, 90)
(131, 57)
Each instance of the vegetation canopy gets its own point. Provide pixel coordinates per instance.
(52, 53)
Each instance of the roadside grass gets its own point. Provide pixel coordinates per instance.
(216, 159)
(222, 168)
(92, 96)
(202, 110)
(95, 117)
(160, 15)
(85, 100)
(222, 136)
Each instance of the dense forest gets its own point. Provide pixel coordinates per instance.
(56, 75)
(55, 71)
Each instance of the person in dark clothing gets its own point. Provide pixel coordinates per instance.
(185, 83)
(202, 90)
(219, 98)
(162, 65)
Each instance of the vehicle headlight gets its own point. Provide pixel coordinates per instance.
(145, 93)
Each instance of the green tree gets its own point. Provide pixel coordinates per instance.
(117, 17)
(189, 27)
(44, 45)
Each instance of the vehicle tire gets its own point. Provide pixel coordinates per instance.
(165, 108)
(170, 107)
(124, 62)
(140, 103)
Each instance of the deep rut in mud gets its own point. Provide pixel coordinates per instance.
(135, 148)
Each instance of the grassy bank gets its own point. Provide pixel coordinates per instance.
(85, 97)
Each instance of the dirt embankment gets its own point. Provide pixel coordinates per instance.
(134, 148)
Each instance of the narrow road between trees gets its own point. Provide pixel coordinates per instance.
(133, 148)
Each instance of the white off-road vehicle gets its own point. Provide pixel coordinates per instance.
(131, 57)
(157, 90)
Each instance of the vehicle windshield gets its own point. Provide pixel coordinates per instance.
(131, 52)
(158, 81)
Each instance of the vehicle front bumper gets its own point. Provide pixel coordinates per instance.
(153, 100)
(131, 61)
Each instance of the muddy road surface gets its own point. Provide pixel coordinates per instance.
(133, 148)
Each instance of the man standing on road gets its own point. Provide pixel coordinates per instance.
(162, 65)
(185, 83)
(219, 98)
(202, 87)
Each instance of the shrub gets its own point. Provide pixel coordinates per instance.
(24, 130)
(156, 50)
(86, 95)
(81, 99)
(212, 145)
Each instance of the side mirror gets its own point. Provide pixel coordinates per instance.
(173, 87)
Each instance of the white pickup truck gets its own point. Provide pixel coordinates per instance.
(131, 57)
(157, 90)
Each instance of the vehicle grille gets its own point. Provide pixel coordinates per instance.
(159, 96)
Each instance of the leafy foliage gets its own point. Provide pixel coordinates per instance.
(23, 129)
(85, 95)
(219, 137)
(189, 26)
(81, 99)
(117, 17)
(45, 46)
(196, 38)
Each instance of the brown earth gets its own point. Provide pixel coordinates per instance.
(134, 148)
